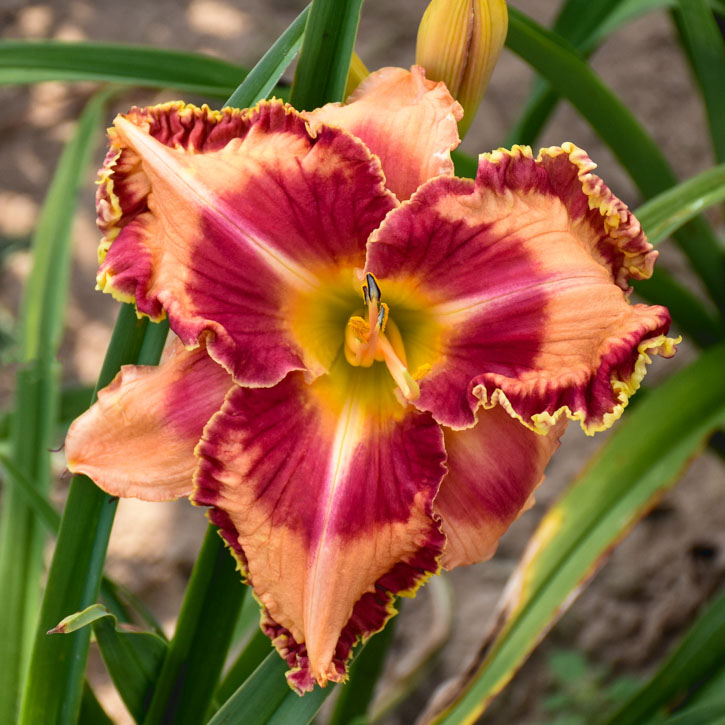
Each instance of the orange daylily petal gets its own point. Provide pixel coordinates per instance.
(228, 221)
(138, 439)
(493, 470)
(522, 281)
(325, 496)
(409, 122)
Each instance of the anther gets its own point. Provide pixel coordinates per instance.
(382, 314)
(366, 341)
(373, 289)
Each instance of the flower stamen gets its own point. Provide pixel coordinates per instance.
(400, 373)
(366, 341)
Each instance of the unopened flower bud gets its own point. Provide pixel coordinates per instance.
(459, 42)
(356, 75)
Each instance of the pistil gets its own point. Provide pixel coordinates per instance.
(366, 341)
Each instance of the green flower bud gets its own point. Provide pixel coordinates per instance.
(459, 42)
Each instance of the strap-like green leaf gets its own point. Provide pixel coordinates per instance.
(73, 400)
(700, 652)
(710, 692)
(420, 663)
(577, 21)
(705, 47)
(186, 683)
(567, 73)
(667, 212)
(713, 714)
(644, 456)
(133, 657)
(23, 61)
(249, 659)
(266, 699)
(624, 13)
(585, 24)
(266, 74)
(660, 217)
(124, 604)
(92, 713)
(296, 711)
(565, 70)
(55, 681)
(324, 62)
(34, 500)
(465, 165)
(33, 422)
(357, 695)
(258, 697)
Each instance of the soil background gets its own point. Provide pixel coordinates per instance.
(660, 575)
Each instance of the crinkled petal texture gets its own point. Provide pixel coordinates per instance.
(229, 222)
(493, 470)
(520, 283)
(138, 439)
(324, 492)
(409, 122)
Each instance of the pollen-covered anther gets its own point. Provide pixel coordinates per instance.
(378, 339)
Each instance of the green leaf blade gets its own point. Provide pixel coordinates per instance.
(196, 654)
(33, 498)
(36, 61)
(576, 21)
(586, 25)
(695, 319)
(133, 658)
(356, 696)
(266, 699)
(55, 681)
(324, 61)
(249, 659)
(258, 697)
(706, 49)
(662, 216)
(569, 74)
(265, 75)
(32, 426)
(670, 210)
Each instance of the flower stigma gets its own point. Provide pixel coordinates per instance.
(378, 339)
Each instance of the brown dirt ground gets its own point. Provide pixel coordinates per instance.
(663, 571)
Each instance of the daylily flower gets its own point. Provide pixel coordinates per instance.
(374, 359)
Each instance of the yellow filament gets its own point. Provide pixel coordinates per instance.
(400, 373)
(363, 347)
(366, 341)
